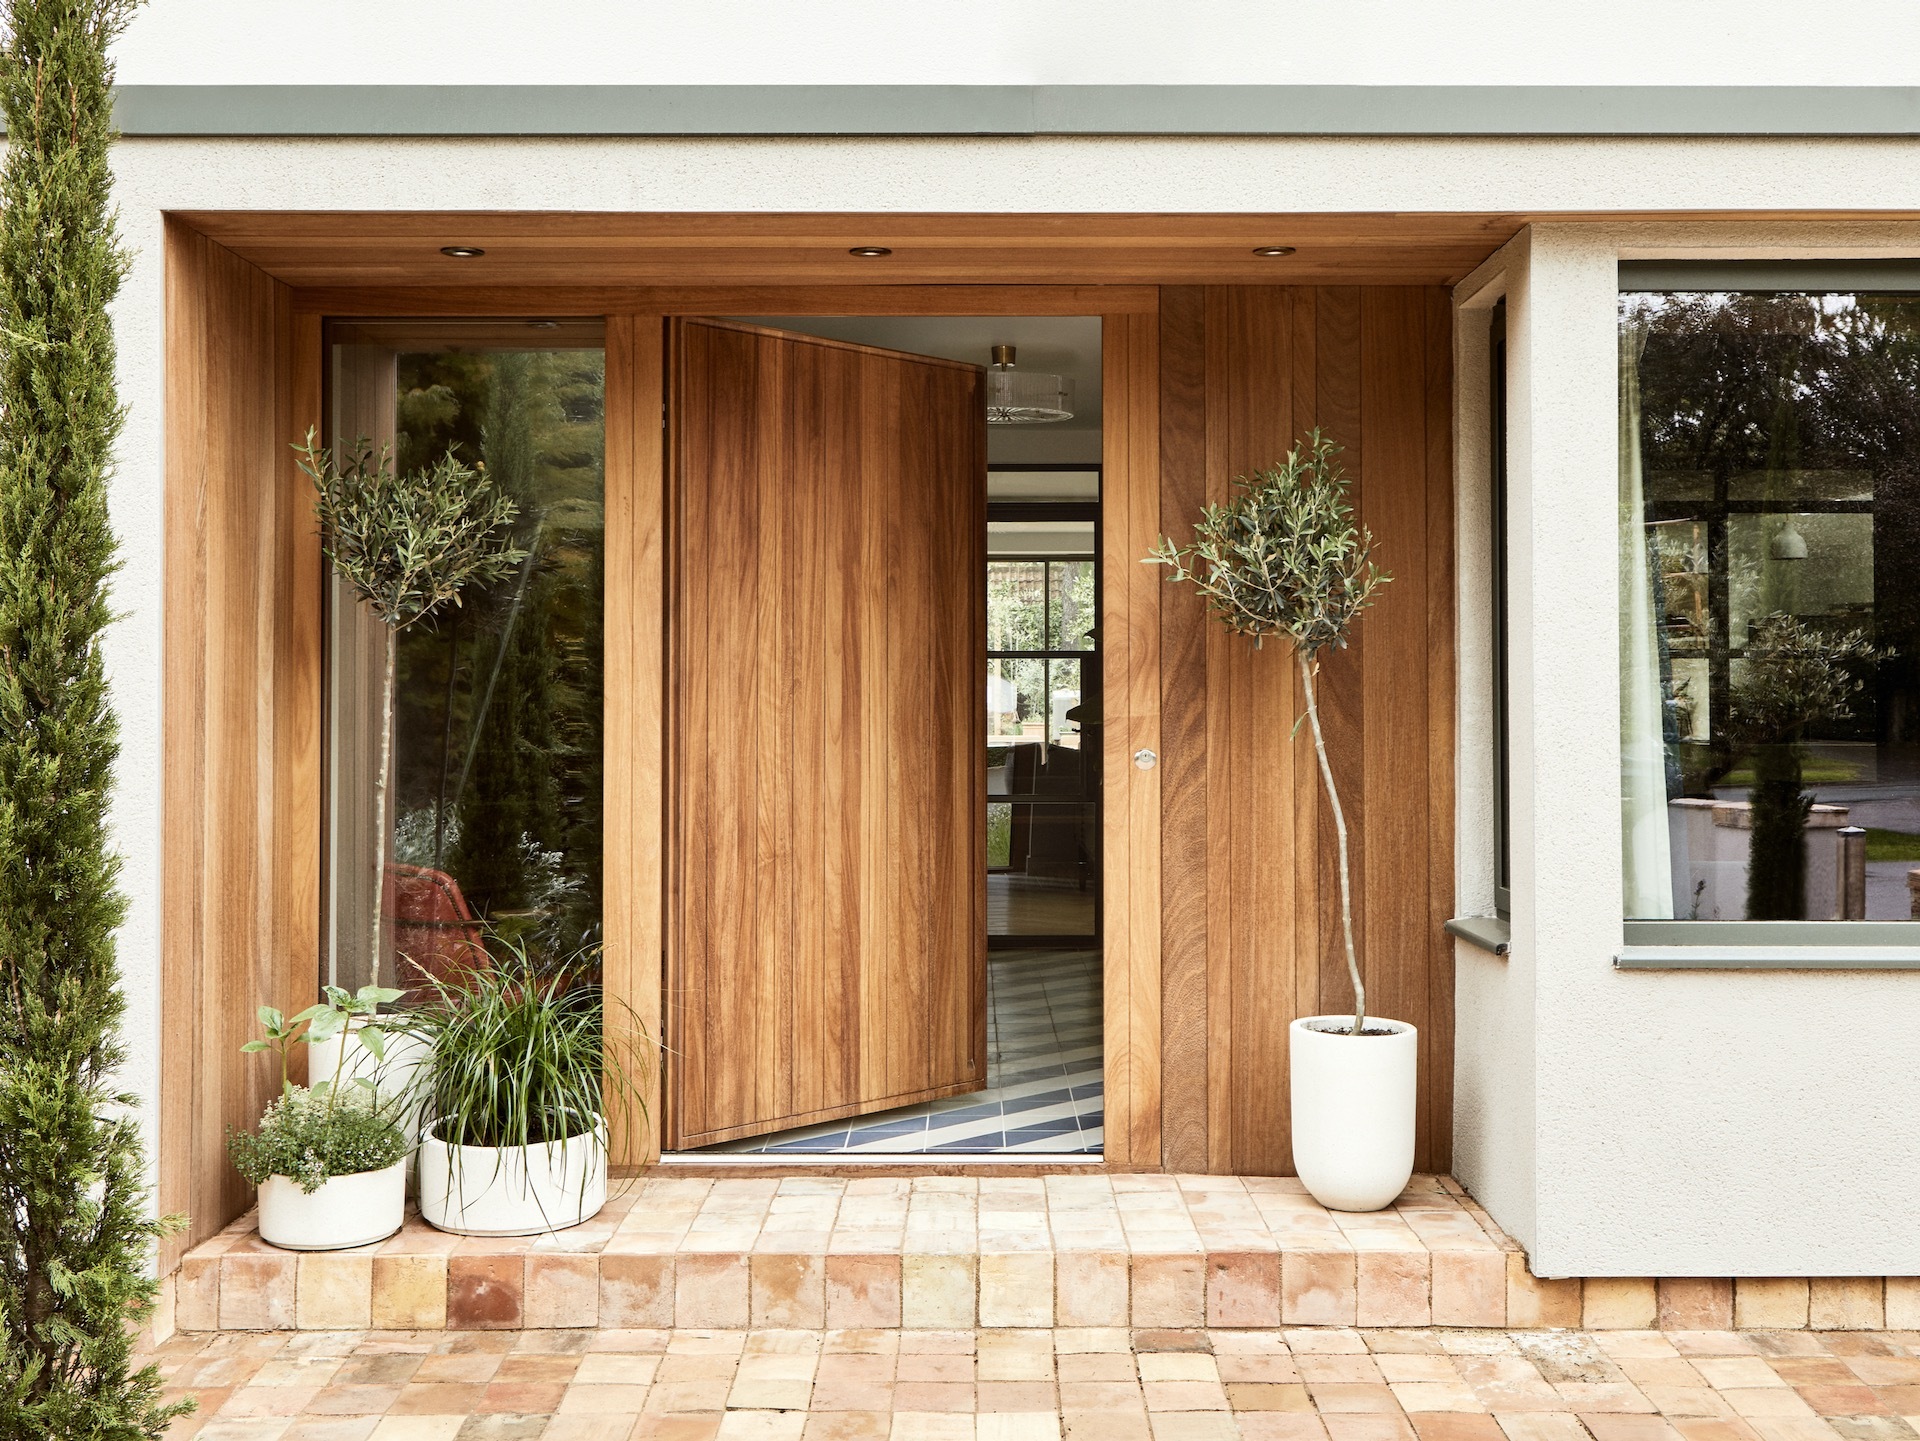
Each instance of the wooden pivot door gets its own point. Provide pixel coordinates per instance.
(827, 925)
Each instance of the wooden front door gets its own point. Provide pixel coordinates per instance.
(827, 731)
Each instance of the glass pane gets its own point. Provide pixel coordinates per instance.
(1070, 611)
(1016, 700)
(999, 834)
(1016, 605)
(1045, 880)
(1770, 637)
(493, 808)
(1064, 714)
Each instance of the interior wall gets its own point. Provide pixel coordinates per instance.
(1250, 919)
(240, 728)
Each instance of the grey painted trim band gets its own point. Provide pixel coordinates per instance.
(1018, 110)
(1492, 934)
(1765, 275)
(1768, 958)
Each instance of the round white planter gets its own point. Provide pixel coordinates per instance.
(1353, 1105)
(511, 1191)
(345, 1211)
(394, 1076)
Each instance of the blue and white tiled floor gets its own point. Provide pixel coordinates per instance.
(1043, 1093)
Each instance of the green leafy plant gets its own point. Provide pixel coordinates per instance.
(338, 1126)
(76, 1266)
(312, 1135)
(523, 1054)
(408, 543)
(1286, 558)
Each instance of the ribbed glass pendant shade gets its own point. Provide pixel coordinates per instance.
(1025, 397)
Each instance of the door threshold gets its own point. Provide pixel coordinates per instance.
(868, 1158)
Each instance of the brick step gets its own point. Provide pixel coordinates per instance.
(958, 1252)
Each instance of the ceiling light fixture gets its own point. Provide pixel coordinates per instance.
(870, 252)
(462, 252)
(1272, 252)
(1025, 397)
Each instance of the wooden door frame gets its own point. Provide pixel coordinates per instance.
(636, 619)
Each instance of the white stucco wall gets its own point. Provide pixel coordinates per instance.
(1493, 1111)
(1668, 1123)
(1619, 1124)
(709, 42)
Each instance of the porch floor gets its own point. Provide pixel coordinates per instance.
(1102, 1384)
(1073, 1249)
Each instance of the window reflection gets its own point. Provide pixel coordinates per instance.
(1770, 478)
(496, 749)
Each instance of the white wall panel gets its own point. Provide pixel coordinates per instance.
(780, 42)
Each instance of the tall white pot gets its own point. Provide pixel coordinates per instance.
(345, 1211)
(1353, 1106)
(513, 1191)
(395, 1078)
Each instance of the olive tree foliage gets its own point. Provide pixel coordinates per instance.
(408, 543)
(1285, 558)
(76, 1276)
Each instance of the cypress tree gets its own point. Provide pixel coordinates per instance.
(75, 1275)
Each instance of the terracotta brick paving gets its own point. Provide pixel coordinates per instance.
(1038, 1384)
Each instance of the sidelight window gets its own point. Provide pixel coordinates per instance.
(494, 816)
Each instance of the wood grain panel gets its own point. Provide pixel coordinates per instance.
(1244, 819)
(555, 301)
(1185, 1032)
(829, 613)
(530, 248)
(635, 698)
(1130, 661)
(240, 723)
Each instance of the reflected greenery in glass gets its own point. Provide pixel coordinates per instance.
(499, 764)
(1772, 466)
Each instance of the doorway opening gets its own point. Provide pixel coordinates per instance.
(1032, 1085)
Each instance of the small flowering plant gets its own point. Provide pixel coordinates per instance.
(311, 1135)
(338, 1126)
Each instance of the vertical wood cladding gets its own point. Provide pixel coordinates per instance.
(1250, 921)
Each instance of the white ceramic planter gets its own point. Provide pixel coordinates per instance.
(345, 1211)
(395, 1076)
(510, 1191)
(1353, 1105)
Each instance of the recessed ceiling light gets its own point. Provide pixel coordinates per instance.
(462, 252)
(869, 251)
(1272, 252)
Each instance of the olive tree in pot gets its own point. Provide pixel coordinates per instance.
(1285, 558)
(531, 1069)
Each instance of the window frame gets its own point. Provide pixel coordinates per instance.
(1498, 586)
(1678, 944)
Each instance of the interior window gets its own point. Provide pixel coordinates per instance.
(1770, 589)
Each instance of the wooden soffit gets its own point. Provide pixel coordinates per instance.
(348, 249)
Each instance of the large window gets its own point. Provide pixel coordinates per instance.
(494, 814)
(1770, 587)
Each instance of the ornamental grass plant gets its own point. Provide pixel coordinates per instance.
(523, 1053)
